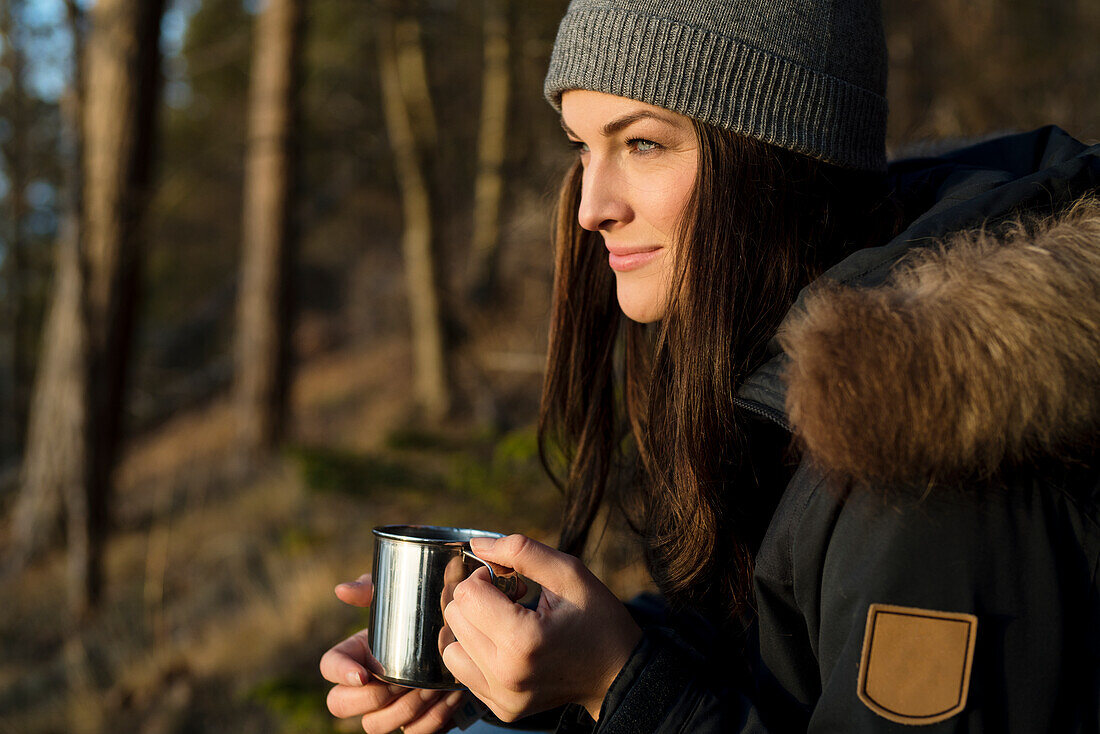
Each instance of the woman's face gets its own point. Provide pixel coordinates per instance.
(639, 169)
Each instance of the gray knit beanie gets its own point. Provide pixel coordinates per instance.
(808, 75)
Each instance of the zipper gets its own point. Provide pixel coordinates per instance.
(763, 410)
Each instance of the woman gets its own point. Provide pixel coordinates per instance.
(928, 555)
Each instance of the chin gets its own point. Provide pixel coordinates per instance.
(639, 304)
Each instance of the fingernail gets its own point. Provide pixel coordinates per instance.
(454, 698)
(428, 694)
(394, 690)
(355, 678)
(482, 543)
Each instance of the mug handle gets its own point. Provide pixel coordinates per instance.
(505, 579)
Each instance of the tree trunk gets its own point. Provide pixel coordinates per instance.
(407, 107)
(123, 71)
(75, 422)
(16, 156)
(56, 462)
(262, 346)
(489, 186)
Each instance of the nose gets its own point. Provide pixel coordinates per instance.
(603, 202)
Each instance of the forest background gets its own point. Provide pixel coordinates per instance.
(273, 273)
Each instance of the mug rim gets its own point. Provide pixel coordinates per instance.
(399, 533)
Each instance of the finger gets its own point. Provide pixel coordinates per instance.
(542, 564)
(465, 670)
(347, 701)
(402, 711)
(479, 646)
(446, 637)
(437, 717)
(486, 608)
(349, 662)
(358, 593)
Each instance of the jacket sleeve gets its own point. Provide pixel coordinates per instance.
(958, 608)
(667, 686)
(685, 675)
(1013, 563)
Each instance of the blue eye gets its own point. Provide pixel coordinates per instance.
(578, 146)
(642, 145)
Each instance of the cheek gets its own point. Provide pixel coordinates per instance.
(669, 202)
(662, 209)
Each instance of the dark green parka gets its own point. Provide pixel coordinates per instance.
(934, 560)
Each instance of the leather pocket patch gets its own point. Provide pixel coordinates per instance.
(915, 667)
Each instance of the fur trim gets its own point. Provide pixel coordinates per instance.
(981, 351)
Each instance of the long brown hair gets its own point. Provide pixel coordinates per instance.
(645, 414)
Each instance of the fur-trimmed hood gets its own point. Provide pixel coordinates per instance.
(969, 342)
(979, 351)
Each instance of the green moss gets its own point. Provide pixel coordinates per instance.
(501, 472)
(345, 472)
(416, 438)
(296, 702)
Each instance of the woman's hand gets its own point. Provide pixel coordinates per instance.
(382, 706)
(520, 661)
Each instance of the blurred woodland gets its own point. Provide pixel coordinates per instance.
(274, 272)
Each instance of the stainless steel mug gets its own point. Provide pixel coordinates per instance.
(416, 568)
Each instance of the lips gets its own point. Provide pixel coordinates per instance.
(624, 259)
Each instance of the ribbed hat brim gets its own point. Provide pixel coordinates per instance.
(712, 78)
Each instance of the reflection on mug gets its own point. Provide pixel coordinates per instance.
(453, 574)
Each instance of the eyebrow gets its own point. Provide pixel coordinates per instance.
(620, 123)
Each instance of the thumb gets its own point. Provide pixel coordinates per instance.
(549, 568)
(358, 593)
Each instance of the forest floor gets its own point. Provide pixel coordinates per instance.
(218, 600)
